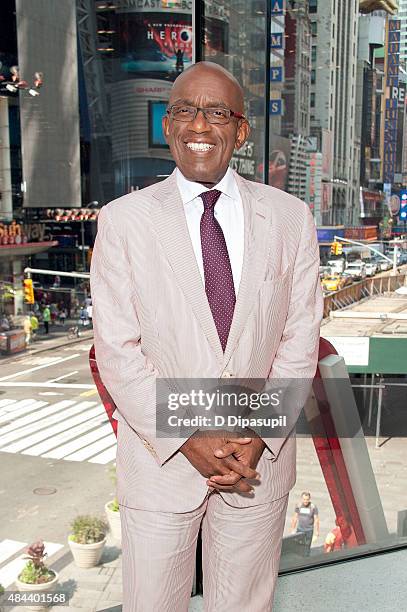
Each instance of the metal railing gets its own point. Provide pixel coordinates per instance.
(363, 289)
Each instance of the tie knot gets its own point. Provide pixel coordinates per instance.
(210, 198)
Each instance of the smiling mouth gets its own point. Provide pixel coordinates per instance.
(200, 147)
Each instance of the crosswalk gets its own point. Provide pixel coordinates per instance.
(72, 430)
(12, 558)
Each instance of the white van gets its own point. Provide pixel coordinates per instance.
(337, 265)
(357, 269)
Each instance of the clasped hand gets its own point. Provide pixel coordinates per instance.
(226, 461)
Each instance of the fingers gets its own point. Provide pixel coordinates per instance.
(240, 468)
(240, 440)
(241, 486)
(227, 449)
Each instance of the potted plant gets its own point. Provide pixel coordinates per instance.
(87, 540)
(37, 577)
(112, 510)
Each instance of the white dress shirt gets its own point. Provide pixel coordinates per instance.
(228, 213)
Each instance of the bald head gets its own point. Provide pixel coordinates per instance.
(202, 148)
(200, 73)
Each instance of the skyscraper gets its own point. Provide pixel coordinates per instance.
(334, 26)
(402, 15)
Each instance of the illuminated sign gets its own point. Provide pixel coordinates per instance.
(276, 41)
(276, 74)
(276, 107)
(277, 7)
(392, 102)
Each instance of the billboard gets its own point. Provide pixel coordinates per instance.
(147, 6)
(156, 111)
(391, 101)
(157, 45)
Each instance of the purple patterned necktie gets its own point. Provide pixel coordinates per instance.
(219, 286)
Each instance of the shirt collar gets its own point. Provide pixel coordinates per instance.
(190, 190)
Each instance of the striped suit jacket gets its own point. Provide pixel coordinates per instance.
(152, 319)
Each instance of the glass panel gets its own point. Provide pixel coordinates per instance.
(328, 118)
(234, 36)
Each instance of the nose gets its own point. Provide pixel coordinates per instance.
(199, 124)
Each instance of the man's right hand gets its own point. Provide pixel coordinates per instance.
(199, 450)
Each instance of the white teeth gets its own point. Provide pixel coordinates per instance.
(199, 146)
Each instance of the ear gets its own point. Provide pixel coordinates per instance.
(242, 134)
(166, 127)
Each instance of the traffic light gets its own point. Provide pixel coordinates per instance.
(336, 248)
(28, 291)
(403, 205)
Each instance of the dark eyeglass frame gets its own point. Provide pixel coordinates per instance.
(204, 111)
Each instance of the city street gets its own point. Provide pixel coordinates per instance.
(56, 445)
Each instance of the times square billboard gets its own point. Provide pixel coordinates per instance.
(154, 39)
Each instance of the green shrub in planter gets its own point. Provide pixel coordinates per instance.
(86, 529)
(114, 506)
(35, 570)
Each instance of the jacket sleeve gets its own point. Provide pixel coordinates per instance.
(125, 371)
(295, 363)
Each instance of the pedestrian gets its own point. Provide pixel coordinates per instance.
(27, 329)
(337, 537)
(89, 311)
(305, 520)
(217, 300)
(83, 316)
(34, 325)
(46, 317)
(54, 312)
(62, 316)
(4, 324)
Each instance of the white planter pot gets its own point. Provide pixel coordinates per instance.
(43, 589)
(86, 555)
(113, 519)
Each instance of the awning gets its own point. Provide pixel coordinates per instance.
(26, 248)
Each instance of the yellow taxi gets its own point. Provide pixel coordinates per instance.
(334, 282)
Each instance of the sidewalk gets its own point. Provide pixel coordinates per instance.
(373, 583)
(95, 589)
(57, 337)
(98, 589)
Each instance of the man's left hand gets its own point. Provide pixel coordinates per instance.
(249, 455)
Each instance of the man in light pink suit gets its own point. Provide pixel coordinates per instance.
(204, 275)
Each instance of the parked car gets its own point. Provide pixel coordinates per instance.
(357, 269)
(371, 268)
(334, 282)
(324, 271)
(384, 265)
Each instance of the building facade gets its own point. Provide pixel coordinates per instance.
(334, 59)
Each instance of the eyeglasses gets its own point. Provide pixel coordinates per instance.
(186, 114)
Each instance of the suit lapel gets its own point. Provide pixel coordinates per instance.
(172, 230)
(257, 222)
